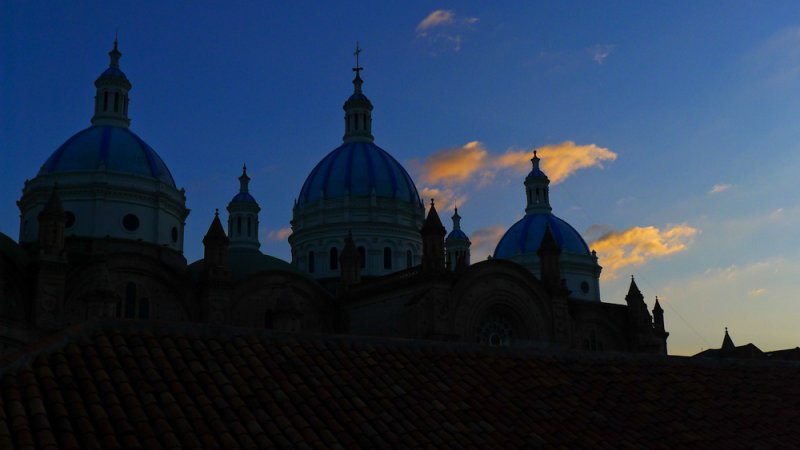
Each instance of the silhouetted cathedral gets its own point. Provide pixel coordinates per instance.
(102, 236)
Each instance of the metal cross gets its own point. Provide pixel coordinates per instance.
(357, 69)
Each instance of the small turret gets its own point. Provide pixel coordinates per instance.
(457, 246)
(350, 262)
(243, 216)
(727, 343)
(216, 245)
(111, 100)
(433, 233)
(52, 221)
(358, 109)
(549, 258)
(658, 317)
(537, 189)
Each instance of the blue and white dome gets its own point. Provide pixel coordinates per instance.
(358, 168)
(359, 189)
(521, 242)
(526, 235)
(111, 183)
(109, 148)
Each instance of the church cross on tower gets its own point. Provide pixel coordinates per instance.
(357, 69)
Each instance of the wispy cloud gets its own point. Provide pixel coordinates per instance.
(778, 59)
(446, 198)
(280, 234)
(600, 52)
(443, 29)
(757, 292)
(719, 188)
(638, 245)
(484, 240)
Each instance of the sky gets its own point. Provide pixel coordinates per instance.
(669, 130)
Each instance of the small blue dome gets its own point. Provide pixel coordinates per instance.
(358, 167)
(243, 197)
(457, 234)
(525, 236)
(113, 148)
(113, 72)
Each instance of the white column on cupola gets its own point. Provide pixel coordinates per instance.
(111, 99)
(457, 244)
(537, 189)
(243, 216)
(358, 109)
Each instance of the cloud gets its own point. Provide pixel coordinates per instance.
(638, 245)
(600, 52)
(559, 161)
(461, 165)
(757, 292)
(279, 235)
(719, 188)
(435, 19)
(442, 29)
(446, 199)
(778, 59)
(484, 240)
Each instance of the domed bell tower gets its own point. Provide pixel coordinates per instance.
(111, 100)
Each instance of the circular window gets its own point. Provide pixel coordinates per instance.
(585, 287)
(130, 222)
(70, 219)
(495, 332)
(174, 234)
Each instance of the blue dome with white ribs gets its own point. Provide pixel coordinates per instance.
(358, 167)
(457, 234)
(109, 148)
(525, 236)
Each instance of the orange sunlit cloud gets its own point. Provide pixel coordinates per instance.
(484, 240)
(279, 235)
(458, 165)
(436, 18)
(454, 165)
(445, 199)
(638, 245)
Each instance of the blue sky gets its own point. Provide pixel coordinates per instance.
(670, 128)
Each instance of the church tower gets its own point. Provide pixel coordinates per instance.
(111, 100)
(243, 217)
(457, 245)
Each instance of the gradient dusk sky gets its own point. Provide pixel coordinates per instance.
(669, 129)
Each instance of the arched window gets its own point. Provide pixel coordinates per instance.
(387, 258)
(248, 227)
(105, 101)
(126, 105)
(334, 258)
(310, 262)
(239, 226)
(409, 259)
(362, 257)
(116, 102)
(130, 301)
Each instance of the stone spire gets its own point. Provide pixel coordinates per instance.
(358, 109)
(216, 245)
(658, 317)
(243, 216)
(433, 233)
(111, 100)
(52, 222)
(537, 189)
(349, 262)
(727, 343)
(550, 261)
(457, 245)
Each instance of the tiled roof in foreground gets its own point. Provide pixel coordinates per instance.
(153, 385)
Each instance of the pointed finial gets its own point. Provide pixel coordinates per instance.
(357, 69)
(244, 169)
(216, 212)
(726, 330)
(431, 202)
(114, 55)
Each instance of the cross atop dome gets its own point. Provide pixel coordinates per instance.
(358, 108)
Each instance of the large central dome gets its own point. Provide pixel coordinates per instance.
(359, 169)
(111, 148)
(358, 189)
